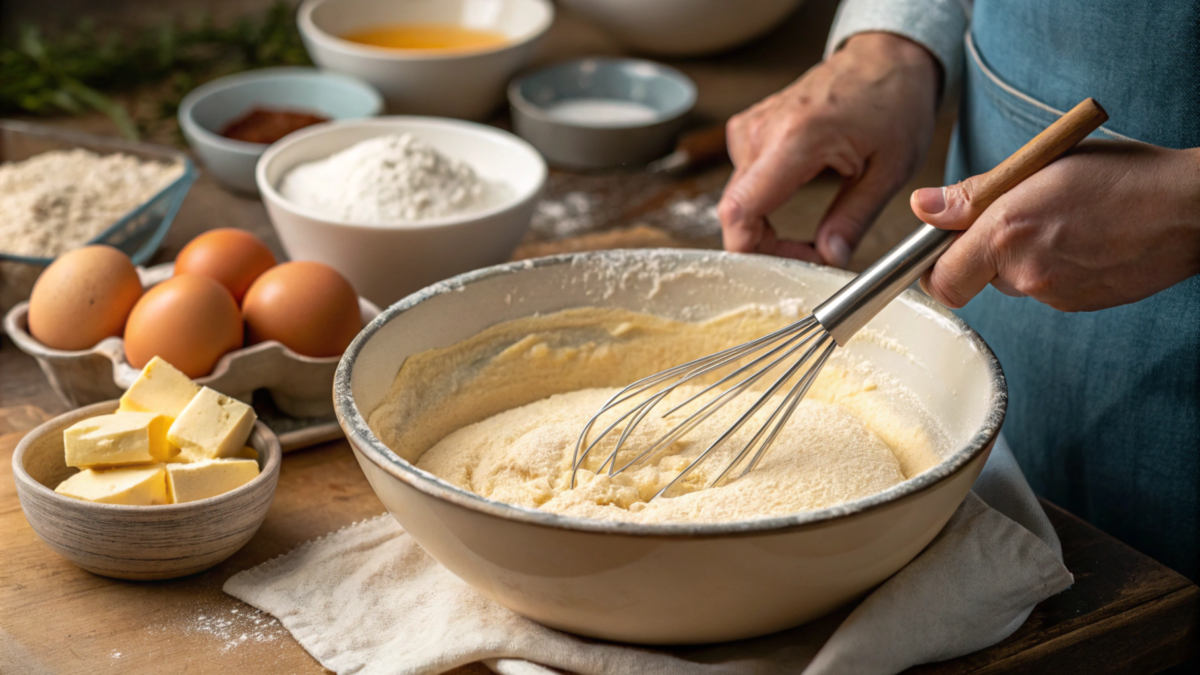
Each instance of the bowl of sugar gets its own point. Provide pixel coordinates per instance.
(599, 113)
(398, 203)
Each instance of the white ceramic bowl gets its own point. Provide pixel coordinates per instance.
(465, 84)
(684, 27)
(138, 542)
(673, 583)
(208, 108)
(386, 263)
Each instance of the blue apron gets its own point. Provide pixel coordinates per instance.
(1104, 407)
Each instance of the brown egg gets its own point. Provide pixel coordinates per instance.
(307, 306)
(188, 320)
(83, 297)
(234, 258)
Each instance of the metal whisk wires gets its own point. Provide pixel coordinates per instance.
(785, 351)
(832, 323)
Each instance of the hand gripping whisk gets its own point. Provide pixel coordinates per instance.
(810, 341)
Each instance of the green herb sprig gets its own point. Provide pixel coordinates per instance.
(81, 69)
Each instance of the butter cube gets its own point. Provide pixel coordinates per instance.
(133, 486)
(212, 426)
(159, 389)
(246, 453)
(208, 478)
(120, 438)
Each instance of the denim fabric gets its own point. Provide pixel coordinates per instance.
(1104, 407)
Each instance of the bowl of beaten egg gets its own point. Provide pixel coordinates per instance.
(451, 58)
(463, 403)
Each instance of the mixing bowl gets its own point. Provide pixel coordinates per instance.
(447, 83)
(685, 582)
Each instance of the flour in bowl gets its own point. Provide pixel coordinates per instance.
(59, 200)
(499, 415)
(387, 180)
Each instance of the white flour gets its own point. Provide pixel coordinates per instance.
(58, 200)
(389, 180)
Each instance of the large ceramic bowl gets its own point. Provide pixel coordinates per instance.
(674, 583)
(684, 27)
(446, 83)
(387, 262)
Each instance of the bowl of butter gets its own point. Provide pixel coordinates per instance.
(167, 481)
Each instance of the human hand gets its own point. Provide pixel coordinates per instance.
(1112, 223)
(867, 113)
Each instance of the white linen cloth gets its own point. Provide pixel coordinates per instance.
(368, 600)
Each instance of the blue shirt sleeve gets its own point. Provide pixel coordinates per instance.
(938, 25)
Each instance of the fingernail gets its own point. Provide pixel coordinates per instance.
(932, 200)
(839, 250)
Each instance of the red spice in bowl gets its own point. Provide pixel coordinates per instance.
(266, 125)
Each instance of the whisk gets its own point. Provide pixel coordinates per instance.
(809, 341)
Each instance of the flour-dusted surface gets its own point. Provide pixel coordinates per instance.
(499, 415)
(388, 180)
(58, 200)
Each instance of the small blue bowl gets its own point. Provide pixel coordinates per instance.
(209, 107)
(659, 97)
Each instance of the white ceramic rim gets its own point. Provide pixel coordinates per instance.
(363, 439)
(534, 111)
(270, 465)
(306, 134)
(312, 31)
(246, 148)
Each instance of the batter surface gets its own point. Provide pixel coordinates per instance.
(499, 415)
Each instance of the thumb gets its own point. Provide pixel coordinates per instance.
(953, 207)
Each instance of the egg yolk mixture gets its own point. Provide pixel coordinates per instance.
(500, 413)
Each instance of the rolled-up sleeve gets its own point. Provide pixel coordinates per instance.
(938, 25)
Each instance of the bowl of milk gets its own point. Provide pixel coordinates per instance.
(599, 113)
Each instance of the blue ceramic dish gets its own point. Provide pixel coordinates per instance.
(140, 232)
(664, 94)
(209, 107)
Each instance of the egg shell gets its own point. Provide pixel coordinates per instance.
(82, 297)
(308, 306)
(189, 321)
(234, 258)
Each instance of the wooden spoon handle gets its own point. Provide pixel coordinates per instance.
(1054, 141)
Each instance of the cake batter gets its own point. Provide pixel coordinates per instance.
(499, 415)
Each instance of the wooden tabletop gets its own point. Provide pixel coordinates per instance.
(1125, 614)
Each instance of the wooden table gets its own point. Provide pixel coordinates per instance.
(1125, 613)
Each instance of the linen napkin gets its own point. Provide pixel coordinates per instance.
(368, 600)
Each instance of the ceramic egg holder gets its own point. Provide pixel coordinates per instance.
(300, 385)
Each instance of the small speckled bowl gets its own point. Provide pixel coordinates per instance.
(138, 542)
(601, 144)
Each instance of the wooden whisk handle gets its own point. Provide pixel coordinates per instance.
(860, 300)
(1054, 141)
